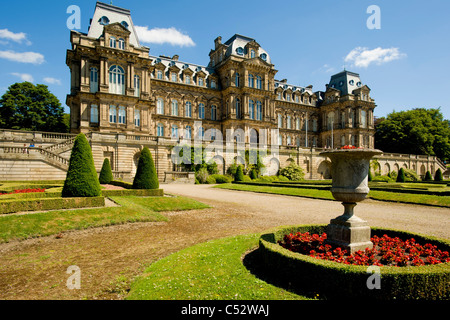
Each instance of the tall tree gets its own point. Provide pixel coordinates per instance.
(26, 106)
(417, 131)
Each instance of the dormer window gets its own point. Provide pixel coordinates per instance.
(263, 56)
(104, 21)
(123, 23)
(121, 44)
(252, 54)
(112, 42)
(240, 51)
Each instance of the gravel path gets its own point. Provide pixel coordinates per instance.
(110, 257)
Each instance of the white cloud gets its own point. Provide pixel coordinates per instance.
(24, 57)
(23, 76)
(363, 57)
(16, 37)
(162, 35)
(52, 81)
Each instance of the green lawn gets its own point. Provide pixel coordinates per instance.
(209, 271)
(132, 209)
(432, 200)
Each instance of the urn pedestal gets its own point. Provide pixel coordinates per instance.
(350, 171)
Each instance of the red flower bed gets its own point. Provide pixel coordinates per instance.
(25, 191)
(386, 251)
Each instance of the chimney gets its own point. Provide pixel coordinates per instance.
(218, 42)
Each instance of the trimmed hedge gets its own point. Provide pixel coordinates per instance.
(122, 184)
(134, 192)
(334, 280)
(14, 205)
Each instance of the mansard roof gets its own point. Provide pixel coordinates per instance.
(106, 14)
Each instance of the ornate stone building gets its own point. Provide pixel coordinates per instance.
(117, 87)
(123, 99)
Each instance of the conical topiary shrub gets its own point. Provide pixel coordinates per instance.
(239, 174)
(438, 176)
(428, 176)
(146, 177)
(81, 179)
(401, 176)
(106, 175)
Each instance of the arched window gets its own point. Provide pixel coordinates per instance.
(174, 132)
(251, 109)
(251, 81)
(121, 44)
(122, 115)
(137, 86)
(188, 109)
(137, 117)
(160, 130)
(116, 80)
(94, 114)
(188, 132)
(174, 107)
(258, 82)
(112, 42)
(112, 114)
(94, 80)
(104, 21)
(213, 112)
(201, 111)
(160, 106)
(259, 110)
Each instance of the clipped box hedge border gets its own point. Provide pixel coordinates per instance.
(333, 280)
(134, 192)
(20, 205)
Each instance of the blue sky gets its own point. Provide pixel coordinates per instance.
(405, 63)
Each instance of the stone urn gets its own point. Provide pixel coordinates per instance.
(350, 172)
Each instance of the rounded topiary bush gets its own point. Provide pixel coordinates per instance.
(333, 280)
(438, 176)
(106, 175)
(146, 177)
(81, 179)
(401, 175)
(428, 176)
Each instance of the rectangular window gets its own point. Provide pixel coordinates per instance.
(94, 114)
(213, 113)
(160, 106)
(137, 118)
(188, 79)
(200, 82)
(122, 115)
(289, 122)
(94, 80)
(174, 132)
(280, 121)
(174, 107)
(137, 86)
(159, 75)
(174, 77)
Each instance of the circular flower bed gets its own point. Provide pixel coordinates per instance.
(313, 268)
(386, 251)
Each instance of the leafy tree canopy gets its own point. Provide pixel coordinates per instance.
(26, 106)
(417, 131)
